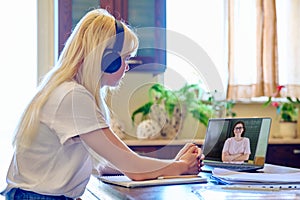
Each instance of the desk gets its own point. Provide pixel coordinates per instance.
(98, 190)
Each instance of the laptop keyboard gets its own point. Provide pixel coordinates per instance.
(233, 167)
(238, 167)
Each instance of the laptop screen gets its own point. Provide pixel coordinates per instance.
(219, 130)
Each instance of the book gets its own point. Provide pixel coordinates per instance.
(122, 180)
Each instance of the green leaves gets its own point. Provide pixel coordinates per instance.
(296, 101)
(286, 110)
(144, 109)
(202, 113)
(189, 97)
(268, 102)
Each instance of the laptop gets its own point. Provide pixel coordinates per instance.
(257, 130)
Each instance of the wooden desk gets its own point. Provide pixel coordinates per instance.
(105, 191)
(98, 190)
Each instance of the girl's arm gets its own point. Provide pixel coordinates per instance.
(108, 145)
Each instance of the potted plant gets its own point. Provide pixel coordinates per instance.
(287, 111)
(166, 109)
(221, 108)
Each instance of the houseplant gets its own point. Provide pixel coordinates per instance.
(287, 110)
(221, 108)
(166, 109)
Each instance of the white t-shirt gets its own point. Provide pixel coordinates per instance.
(58, 163)
(235, 147)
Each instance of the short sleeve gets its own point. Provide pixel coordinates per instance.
(77, 114)
(247, 146)
(226, 146)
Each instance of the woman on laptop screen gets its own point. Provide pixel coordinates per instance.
(236, 149)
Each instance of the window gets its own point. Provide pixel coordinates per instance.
(254, 47)
(203, 23)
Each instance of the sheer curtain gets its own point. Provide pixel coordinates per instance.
(264, 48)
(288, 28)
(252, 48)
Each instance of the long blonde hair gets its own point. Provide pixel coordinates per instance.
(80, 60)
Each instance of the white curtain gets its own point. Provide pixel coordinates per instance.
(288, 29)
(264, 48)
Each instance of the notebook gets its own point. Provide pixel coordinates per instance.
(124, 181)
(257, 130)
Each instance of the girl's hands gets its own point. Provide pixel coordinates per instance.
(192, 155)
(184, 150)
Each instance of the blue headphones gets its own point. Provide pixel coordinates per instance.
(111, 60)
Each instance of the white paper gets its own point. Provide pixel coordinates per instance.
(229, 176)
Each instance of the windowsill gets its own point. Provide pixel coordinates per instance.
(259, 100)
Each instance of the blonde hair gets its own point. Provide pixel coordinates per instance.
(80, 60)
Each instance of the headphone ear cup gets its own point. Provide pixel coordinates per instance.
(111, 61)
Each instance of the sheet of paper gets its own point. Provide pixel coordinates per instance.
(230, 177)
(219, 192)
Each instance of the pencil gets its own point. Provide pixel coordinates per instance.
(179, 176)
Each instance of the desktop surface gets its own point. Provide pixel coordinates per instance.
(204, 191)
(108, 191)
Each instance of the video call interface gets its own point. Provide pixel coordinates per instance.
(219, 130)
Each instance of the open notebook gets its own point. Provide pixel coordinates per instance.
(124, 181)
(218, 130)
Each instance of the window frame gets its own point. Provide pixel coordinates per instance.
(120, 7)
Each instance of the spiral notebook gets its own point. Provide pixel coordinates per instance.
(124, 181)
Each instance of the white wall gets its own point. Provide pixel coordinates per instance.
(46, 52)
(18, 70)
(132, 94)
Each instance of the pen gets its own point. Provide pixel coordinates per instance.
(180, 176)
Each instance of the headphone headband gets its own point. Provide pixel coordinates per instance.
(118, 46)
(111, 60)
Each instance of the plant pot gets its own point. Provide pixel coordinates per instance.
(288, 130)
(171, 126)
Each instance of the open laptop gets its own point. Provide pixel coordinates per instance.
(219, 129)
